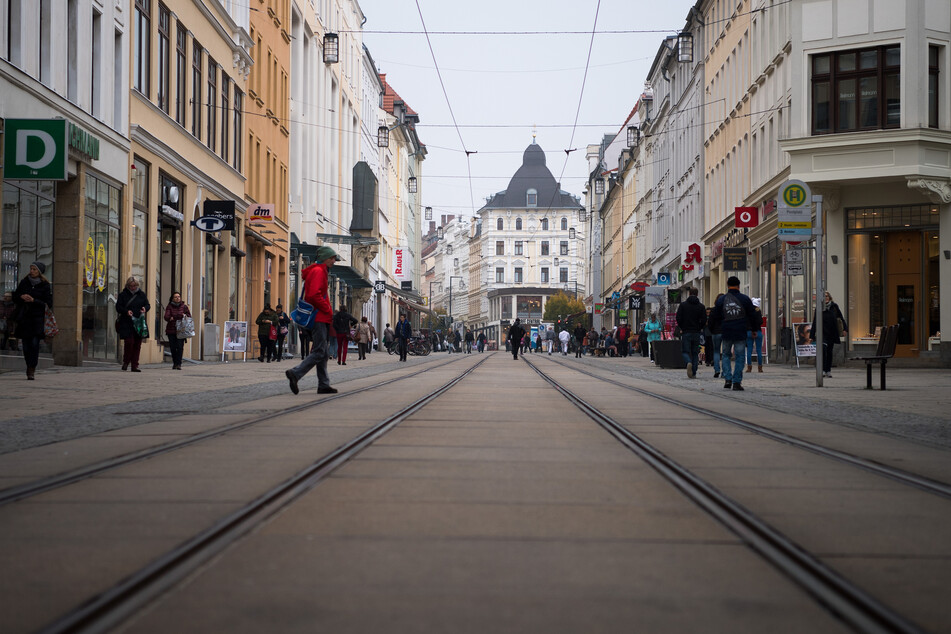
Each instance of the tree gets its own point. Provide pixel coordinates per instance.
(560, 306)
(435, 323)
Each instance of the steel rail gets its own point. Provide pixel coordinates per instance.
(29, 489)
(114, 605)
(923, 483)
(853, 605)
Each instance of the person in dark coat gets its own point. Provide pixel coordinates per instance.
(516, 332)
(283, 327)
(176, 310)
(265, 321)
(736, 316)
(580, 333)
(130, 303)
(830, 332)
(404, 331)
(691, 317)
(31, 297)
(342, 323)
(469, 339)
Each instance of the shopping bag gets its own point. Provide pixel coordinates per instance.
(185, 327)
(272, 334)
(50, 329)
(141, 326)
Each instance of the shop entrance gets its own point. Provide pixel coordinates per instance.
(903, 289)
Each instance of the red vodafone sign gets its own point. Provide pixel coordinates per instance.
(746, 216)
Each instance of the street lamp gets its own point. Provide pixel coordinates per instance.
(331, 48)
(599, 185)
(411, 184)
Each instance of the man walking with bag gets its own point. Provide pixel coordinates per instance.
(315, 294)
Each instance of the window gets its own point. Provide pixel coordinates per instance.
(545, 247)
(933, 57)
(563, 247)
(518, 247)
(564, 224)
(164, 56)
(856, 90)
(500, 248)
(212, 103)
(531, 198)
(499, 274)
(140, 220)
(181, 73)
(518, 224)
(238, 102)
(499, 225)
(518, 275)
(143, 46)
(225, 130)
(544, 275)
(563, 275)
(196, 89)
(96, 65)
(544, 224)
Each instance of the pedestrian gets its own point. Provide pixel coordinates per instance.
(283, 327)
(403, 334)
(388, 336)
(734, 312)
(691, 318)
(707, 341)
(481, 341)
(832, 323)
(526, 343)
(131, 305)
(564, 337)
(716, 330)
(516, 332)
(623, 332)
(654, 330)
(642, 340)
(267, 332)
(610, 348)
(8, 307)
(757, 342)
(373, 337)
(342, 323)
(303, 334)
(457, 341)
(33, 295)
(363, 338)
(550, 339)
(580, 335)
(469, 340)
(175, 311)
(315, 293)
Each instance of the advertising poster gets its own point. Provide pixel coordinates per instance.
(236, 336)
(804, 348)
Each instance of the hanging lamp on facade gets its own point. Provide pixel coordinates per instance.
(411, 184)
(383, 136)
(331, 48)
(599, 185)
(429, 213)
(685, 48)
(633, 134)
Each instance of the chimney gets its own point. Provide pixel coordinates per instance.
(432, 226)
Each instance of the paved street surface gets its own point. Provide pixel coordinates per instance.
(497, 507)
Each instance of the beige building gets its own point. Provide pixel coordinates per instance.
(189, 66)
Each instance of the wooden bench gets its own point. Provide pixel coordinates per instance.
(885, 351)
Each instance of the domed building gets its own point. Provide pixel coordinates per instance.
(527, 245)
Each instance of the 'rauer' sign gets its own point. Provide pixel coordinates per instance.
(398, 269)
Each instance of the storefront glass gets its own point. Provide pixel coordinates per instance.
(101, 282)
(211, 252)
(27, 229)
(529, 307)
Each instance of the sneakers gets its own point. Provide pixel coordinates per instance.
(827, 375)
(292, 380)
(326, 390)
(728, 385)
(690, 372)
(737, 387)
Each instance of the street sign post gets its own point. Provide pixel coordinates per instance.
(794, 219)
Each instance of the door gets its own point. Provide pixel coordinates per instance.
(903, 290)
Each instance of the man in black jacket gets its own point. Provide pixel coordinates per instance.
(516, 332)
(580, 333)
(691, 317)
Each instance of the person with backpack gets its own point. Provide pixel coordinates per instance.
(736, 316)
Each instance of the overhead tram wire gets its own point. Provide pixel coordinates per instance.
(449, 105)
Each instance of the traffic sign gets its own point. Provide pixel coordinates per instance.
(794, 218)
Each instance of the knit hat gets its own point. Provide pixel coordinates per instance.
(39, 265)
(756, 302)
(325, 253)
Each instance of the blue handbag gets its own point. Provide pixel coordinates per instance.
(304, 314)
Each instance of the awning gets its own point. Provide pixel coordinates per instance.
(417, 307)
(410, 295)
(257, 236)
(410, 299)
(349, 276)
(338, 239)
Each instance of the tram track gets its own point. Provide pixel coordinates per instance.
(43, 485)
(114, 605)
(923, 483)
(860, 610)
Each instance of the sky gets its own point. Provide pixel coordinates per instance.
(492, 89)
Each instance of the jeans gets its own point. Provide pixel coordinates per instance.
(177, 347)
(342, 342)
(317, 358)
(750, 342)
(403, 344)
(827, 349)
(738, 348)
(717, 343)
(31, 350)
(690, 346)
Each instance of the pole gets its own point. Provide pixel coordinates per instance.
(820, 291)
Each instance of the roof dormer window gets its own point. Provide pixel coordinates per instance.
(531, 198)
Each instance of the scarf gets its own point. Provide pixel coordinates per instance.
(827, 305)
(35, 281)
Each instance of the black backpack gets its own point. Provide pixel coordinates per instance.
(732, 308)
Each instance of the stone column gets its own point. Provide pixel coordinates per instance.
(68, 257)
(938, 192)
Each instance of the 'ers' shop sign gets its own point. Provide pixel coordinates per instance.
(398, 269)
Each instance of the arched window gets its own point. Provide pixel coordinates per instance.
(531, 198)
(518, 224)
(544, 224)
(564, 224)
(500, 226)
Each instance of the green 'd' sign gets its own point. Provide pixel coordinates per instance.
(35, 149)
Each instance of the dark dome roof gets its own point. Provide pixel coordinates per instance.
(533, 174)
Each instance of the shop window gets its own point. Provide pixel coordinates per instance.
(101, 281)
(27, 221)
(933, 58)
(211, 254)
(856, 90)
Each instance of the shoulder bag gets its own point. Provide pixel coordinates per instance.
(50, 329)
(304, 314)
